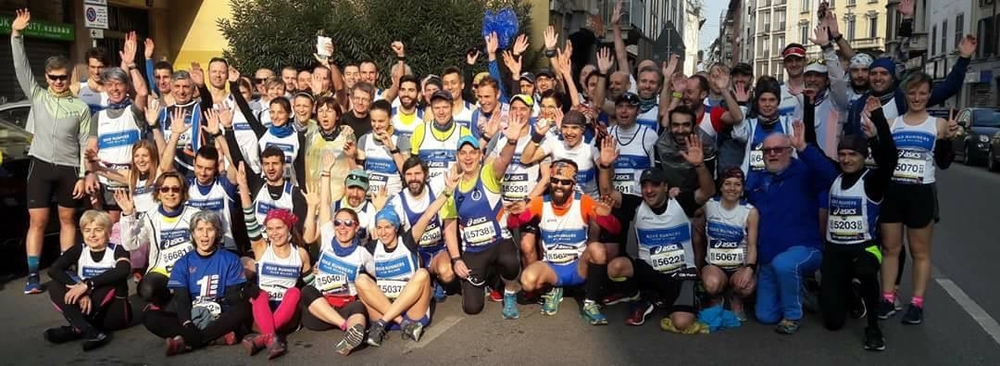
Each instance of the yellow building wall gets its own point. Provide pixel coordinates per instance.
(860, 9)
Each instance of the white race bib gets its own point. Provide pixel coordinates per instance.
(516, 186)
(479, 234)
(668, 261)
(847, 227)
(432, 235)
(376, 182)
(725, 257)
(561, 255)
(169, 256)
(909, 170)
(756, 160)
(391, 288)
(330, 283)
(624, 183)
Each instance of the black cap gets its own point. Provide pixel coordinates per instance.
(854, 142)
(742, 68)
(629, 97)
(527, 75)
(441, 94)
(653, 175)
(545, 72)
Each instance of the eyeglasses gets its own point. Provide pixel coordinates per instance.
(563, 182)
(339, 223)
(173, 189)
(774, 150)
(62, 77)
(259, 81)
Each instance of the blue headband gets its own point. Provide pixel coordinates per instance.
(885, 63)
(388, 214)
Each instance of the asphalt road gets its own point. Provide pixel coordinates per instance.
(970, 204)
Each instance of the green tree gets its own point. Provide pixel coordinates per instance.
(437, 33)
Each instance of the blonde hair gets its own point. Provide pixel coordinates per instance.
(154, 166)
(96, 217)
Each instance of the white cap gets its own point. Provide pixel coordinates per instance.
(816, 67)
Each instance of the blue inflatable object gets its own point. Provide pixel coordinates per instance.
(504, 23)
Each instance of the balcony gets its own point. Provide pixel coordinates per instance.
(868, 43)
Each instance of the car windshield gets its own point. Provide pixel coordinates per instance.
(986, 118)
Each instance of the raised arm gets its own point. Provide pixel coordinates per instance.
(514, 127)
(695, 155)
(532, 152)
(177, 127)
(21, 66)
(400, 50)
(127, 55)
(150, 65)
(606, 165)
(884, 150)
(257, 127)
(564, 66)
(604, 63)
(451, 182)
(733, 112)
(835, 72)
(621, 54)
(673, 86)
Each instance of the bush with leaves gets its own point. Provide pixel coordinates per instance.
(437, 33)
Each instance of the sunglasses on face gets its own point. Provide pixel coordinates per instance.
(173, 189)
(259, 81)
(62, 77)
(774, 150)
(563, 182)
(339, 223)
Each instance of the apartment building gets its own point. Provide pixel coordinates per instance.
(982, 81)
(949, 22)
(862, 22)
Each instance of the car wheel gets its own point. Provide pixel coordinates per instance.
(991, 162)
(967, 159)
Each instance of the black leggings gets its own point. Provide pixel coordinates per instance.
(625, 214)
(311, 322)
(841, 264)
(165, 324)
(153, 289)
(109, 310)
(503, 259)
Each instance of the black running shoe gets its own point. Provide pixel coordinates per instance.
(858, 307)
(914, 315)
(61, 334)
(886, 309)
(95, 341)
(376, 333)
(352, 339)
(874, 341)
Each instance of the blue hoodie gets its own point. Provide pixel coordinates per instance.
(788, 204)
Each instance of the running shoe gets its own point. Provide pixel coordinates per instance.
(874, 341)
(376, 334)
(592, 311)
(352, 339)
(886, 309)
(61, 334)
(510, 306)
(552, 300)
(914, 315)
(496, 296)
(34, 285)
(639, 311)
(276, 348)
(619, 298)
(896, 303)
(176, 346)
(95, 341)
(412, 330)
(254, 343)
(439, 294)
(227, 339)
(787, 326)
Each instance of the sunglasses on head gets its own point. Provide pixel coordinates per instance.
(339, 223)
(173, 189)
(564, 182)
(62, 77)
(774, 150)
(357, 177)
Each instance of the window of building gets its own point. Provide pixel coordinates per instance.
(944, 37)
(804, 33)
(779, 17)
(934, 40)
(850, 28)
(767, 21)
(777, 71)
(873, 27)
(959, 29)
(805, 6)
(779, 44)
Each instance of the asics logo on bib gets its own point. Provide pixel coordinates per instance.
(169, 238)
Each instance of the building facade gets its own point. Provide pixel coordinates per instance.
(949, 22)
(861, 22)
(982, 81)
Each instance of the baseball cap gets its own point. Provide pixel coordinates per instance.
(793, 49)
(527, 76)
(357, 178)
(816, 67)
(654, 175)
(468, 139)
(545, 72)
(631, 98)
(526, 99)
(861, 60)
(441, 94)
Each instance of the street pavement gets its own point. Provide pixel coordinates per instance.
(963, 253)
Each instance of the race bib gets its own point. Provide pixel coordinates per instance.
(624, 183)
(561, 255)
(756, 160)
(376, 182)
(668, 261)
(480, 234)
(274, 293)
(331, 283)
(213, 307)
(170, 255)
(391, 288)
(725, 257)
(432, 235)
(846, 227)
(909, 170)
(516, 186)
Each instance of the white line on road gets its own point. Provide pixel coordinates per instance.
(978, 314)
(433, 332)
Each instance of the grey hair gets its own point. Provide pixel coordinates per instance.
(180, 75)
(116, 73)
(211, 218)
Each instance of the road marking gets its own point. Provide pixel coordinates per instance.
(432, 333)
(978, 314)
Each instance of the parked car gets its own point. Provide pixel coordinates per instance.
(979, 125)
(993, 156)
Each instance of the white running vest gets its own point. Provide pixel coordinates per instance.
(87, 268)
(95, 100)
(115, 137)
(288, 145)
(244, 135)
(564, 238)
(915, 145)
(852, 217)
(583, 155)
(410, 209)
(519, 179)
(464, 117)
(650, 119)
(264, 203)
(170, 238)
(633, 158)
(664, 240)
(275, 275)
(439, 155)
(752, 131)
(726, 231)
(394, 270)
(216, 200)
(381, 168)
(142, 195)
(335, 275)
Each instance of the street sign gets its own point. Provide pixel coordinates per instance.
(96, 33)
(95, 16)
